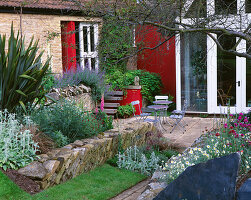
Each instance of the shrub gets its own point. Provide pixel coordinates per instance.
(104, 120)
(59, 138)
(17, 148)
(150, 82)
(125, 111)
(133, 159)
(21, 72)
(66, 117)
(91, 78)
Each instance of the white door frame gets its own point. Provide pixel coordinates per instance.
(212, 66)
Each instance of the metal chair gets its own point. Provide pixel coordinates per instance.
(177, 116)
(143, 115)
(163, 98)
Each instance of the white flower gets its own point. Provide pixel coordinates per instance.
(208, 146)
(191, 151)
(224, 146)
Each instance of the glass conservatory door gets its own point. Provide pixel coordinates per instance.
(194, 71)
(233, 79)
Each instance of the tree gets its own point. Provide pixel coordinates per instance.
(215, 18)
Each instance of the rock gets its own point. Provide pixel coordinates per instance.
(214, 179)
(244, 193)
(53, 153)
(54, 95)
(78, 143)
(43, 158)
(67, 147)
(35, 170)
(84, 88)
(51, 165)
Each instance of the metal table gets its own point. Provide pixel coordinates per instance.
(156, 108)
(162, 102)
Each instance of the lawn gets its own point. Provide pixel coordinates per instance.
(102, 183)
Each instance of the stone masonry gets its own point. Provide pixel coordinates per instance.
(60, 165)
(45, 28)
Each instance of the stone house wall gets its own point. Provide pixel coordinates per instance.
(42, 27)
(60, 165)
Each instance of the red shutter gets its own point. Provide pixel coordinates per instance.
(68, 46)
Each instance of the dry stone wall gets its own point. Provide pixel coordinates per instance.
(60, 165)
(80, 94)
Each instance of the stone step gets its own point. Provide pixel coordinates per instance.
(111, 105)
(114, 93)
(110, 111)
(110, 98)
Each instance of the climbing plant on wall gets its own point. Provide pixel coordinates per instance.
(115, 45)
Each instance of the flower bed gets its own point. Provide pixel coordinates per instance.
(231, 135)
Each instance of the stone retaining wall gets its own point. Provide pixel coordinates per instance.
(60, 165)
(80, 94)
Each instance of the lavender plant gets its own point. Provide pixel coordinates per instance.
(91, 78)
(17, 148)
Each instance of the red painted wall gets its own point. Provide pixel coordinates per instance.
(160, 60)
(68, 46)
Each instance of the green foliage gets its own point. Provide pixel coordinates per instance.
(117, 80)
(17, 148)
(104, 120)
(21, 72)
(48, 81)
(59, 138)
(125, 111)
(133, 159)
(115, 44)
(66, 117)
(150, 82)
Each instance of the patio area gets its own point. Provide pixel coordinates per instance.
(177, 138)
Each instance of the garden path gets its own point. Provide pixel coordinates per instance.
(132, 193)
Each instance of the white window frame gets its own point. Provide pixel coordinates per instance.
(212, 63)
(89, 54)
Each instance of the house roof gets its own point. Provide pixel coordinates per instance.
(41, 4)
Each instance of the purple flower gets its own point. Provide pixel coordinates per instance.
(225, 125)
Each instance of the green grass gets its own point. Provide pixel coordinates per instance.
(102, 183)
